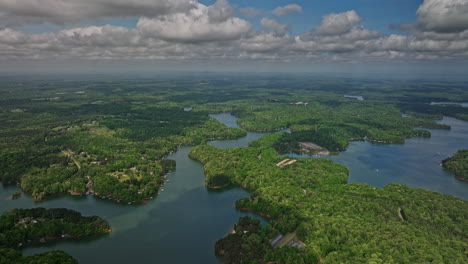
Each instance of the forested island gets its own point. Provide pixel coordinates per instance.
(458, 164)
(111, 137)
(20, 227)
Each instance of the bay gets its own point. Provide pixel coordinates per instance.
(415, 163)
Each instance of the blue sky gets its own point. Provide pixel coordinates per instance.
(189, 34)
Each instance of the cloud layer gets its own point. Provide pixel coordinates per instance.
(15, 12)
(182, 30)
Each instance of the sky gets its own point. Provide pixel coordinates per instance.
(236, 35)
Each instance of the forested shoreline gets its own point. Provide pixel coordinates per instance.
(21, 227)
(112, 138)
(309, 198)
(458, 164)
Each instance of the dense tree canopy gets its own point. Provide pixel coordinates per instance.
(458, 164)
(111, 137)
(20, 226)
(12, 256)
(354, 223)
(121, 157)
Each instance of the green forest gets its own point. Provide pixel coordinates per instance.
(12, 256)
(118, 158)
(458, 164)
(337, 222)
(22, 226)
(329, 124)
(111, 137)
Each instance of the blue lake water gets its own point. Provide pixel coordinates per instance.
(179, 226)
(415, 163)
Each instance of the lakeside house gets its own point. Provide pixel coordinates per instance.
(310, 147)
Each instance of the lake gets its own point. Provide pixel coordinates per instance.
(415, 163)
(183, 223)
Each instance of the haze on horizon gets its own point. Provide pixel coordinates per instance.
(236, 35)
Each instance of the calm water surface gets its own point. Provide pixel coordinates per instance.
(183, 223)
(415, 163)
(179, 226)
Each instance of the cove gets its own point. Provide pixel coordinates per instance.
(179, 226)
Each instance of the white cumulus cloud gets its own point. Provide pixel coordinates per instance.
(200, 24)
(271, 24)
(341, 23)
(287, 10)
(444, 16)
(213, 33)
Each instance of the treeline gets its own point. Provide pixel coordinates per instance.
(21, 226)
(351, 223)
(458, 164)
